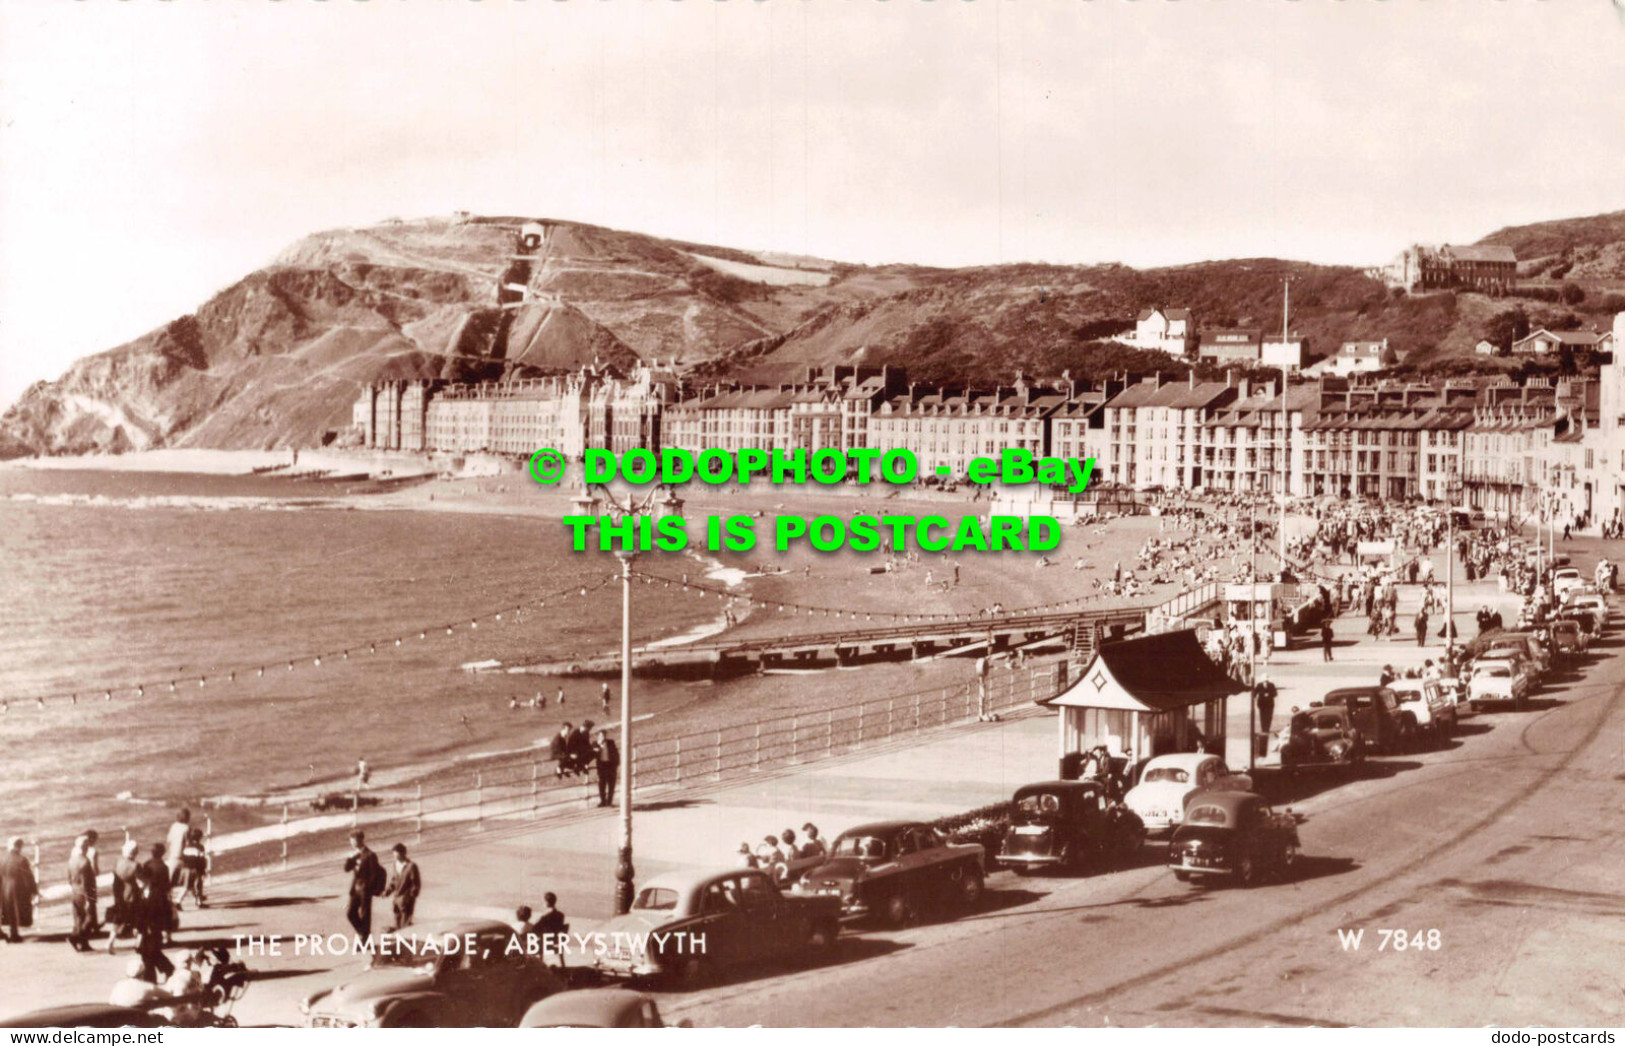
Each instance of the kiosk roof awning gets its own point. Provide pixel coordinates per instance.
(1149, 674)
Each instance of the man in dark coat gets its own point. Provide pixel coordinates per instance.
(404, 886)
(1326, 634)
(157, 913)
(367, 880)
(558, 750)
(608, 760)
(82, 884)
(17, 890)
(1264, 693)
(581, 753)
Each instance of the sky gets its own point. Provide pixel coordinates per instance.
(153, 153)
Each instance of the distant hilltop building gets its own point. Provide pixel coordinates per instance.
(1165, 330)
(1490, 269)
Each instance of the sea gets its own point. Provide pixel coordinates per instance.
(111, 581)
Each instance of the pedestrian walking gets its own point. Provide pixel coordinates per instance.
(608, 760)
(82, 884)
(1422, 627)
(404, 886)
(552, 923)
(18, 888)
(603, 698)
(1264, 694)
(125, 915)
(175, 842)
(367, 880)
(157, 912)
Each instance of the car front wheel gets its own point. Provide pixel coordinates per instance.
(899, 911)
(970, 886)
(1246, 871)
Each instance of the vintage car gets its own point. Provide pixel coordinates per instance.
(1498, 680)
(1320, 735)
(1585, 617)
(1529, 645)
(1433, 708)
(86, 1015)
(430, 977)
(1569, 640)
(1067, 826)
(894, 870)
(1165, 782)
(1595, 602)
(686, 927)
(596, 1008)
(1383, 727)
(1233, 834)
(1566, 580)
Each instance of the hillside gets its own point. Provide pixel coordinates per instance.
(276, 359)
(1578, 249)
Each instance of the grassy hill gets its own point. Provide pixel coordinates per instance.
(276, 359)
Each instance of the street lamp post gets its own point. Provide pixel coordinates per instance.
(1452, 494)
(632, 507)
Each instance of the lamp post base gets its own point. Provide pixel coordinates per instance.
(623, 880)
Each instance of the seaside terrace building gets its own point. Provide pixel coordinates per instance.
(1246, 439)
(1153, 433)
(1387, 440)
(947, 429)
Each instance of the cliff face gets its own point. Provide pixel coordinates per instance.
(277, 359)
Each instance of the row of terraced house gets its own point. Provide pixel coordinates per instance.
(1507, 445)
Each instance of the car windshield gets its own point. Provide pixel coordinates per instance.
(1044, 806)
(1494, 671)
(1172, 774)
(656, 899)
(1207, 815)
(864, 847)
(1328, 721)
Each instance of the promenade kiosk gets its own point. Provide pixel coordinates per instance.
(1144, 697)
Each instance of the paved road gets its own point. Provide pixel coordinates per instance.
(1508, 843)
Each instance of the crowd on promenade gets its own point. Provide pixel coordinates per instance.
(144, 903)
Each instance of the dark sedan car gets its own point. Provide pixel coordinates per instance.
(687, 926)
(896, 869)
(1067, 825)
(430, 977)
(1383, 726)
(1235, 835)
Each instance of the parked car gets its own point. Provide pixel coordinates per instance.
(429, 977)
(1068, 826)
(1566, 580)
(1376, 713)
(1232, 834)
(739, 914)
(1590, 625)
(596, 1008)
(1165, 782)
(1523, 645)
(86, 1015)
(1595, 602)
(1320, 736)
(1568, 638)
(894, 870)
(1498, 680)
(1434, 710)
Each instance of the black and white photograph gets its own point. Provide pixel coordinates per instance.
(810, 514)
